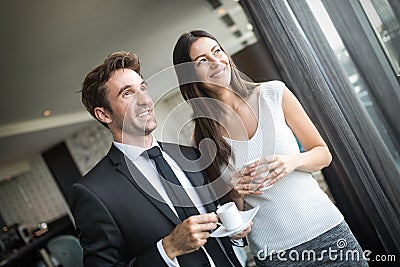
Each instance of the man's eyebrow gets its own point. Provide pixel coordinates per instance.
(127, 86)
(123, 89)
(202, 55)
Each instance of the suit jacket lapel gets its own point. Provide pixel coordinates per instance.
(132, 173)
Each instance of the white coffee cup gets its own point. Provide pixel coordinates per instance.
(229, 216)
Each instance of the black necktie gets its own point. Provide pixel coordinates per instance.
(179, 198)
(182, 203)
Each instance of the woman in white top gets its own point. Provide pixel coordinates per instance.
(296, 222)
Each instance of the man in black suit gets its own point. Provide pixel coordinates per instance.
(124, 213)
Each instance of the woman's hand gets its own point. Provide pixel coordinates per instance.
(243, 183)
(271, 169)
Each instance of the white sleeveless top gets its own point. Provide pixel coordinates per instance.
(295, 209)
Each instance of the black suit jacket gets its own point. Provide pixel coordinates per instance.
(117, 219)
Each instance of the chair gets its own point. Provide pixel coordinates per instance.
(66, 250)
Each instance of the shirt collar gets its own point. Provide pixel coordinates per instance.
(134, 152)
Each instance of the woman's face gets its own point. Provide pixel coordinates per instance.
(211, 63)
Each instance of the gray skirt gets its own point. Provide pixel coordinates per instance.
(336, 247)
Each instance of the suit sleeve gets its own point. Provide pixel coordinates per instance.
(100, 237)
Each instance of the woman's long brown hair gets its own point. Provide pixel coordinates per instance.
(205, 126)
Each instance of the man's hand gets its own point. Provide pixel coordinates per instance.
(190, 235)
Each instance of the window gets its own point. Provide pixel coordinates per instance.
(355, 77)
(387, 29)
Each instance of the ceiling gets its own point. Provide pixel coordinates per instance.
(48, 47)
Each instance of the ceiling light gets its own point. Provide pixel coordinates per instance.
(221, 11)
(234, 28)
(46, 113)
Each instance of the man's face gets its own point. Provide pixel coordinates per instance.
(132, 108)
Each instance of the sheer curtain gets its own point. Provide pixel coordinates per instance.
(363, 177)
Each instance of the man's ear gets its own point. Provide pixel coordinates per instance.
(102, 115)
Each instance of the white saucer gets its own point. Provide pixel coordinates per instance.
(247, 216)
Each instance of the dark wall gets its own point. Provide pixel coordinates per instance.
(62, 167)
(2, 223)
(256, 62)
